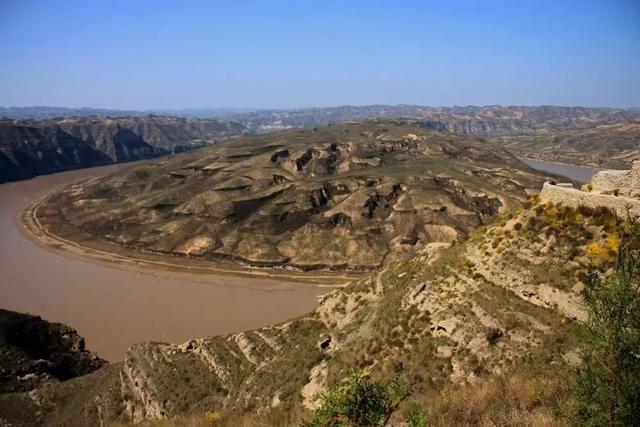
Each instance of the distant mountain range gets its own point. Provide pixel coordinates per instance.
(484, 122)
(36, 140)
(44, 112)
(296, 117)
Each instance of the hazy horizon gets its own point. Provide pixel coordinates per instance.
(250, 109)
(161, 55)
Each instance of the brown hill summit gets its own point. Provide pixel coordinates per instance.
(337, 197)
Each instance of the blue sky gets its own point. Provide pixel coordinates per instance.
(143, 54)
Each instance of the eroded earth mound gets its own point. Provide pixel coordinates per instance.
(338, 197)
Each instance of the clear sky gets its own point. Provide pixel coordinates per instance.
(145, 54)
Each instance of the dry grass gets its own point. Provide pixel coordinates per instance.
(517, 400)
(273, 418)
(510, 401)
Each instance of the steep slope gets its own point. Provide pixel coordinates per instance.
(29, 148)
(338, 197)
(610, 145)
(503, 301)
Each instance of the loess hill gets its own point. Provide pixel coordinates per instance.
(337, 197)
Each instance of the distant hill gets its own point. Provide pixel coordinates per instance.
(483, 122)
(206, 113)
(30, 147)
(614, 145)
(43, 113)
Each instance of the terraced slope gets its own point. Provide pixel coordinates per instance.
(608, 145)
(504, 301)
(337, 197)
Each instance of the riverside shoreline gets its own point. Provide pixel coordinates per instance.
(107, 253)
(115, 303)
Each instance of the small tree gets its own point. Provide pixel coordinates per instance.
(608, 381)
(358, 402)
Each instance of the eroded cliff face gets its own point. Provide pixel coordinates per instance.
(507, 298)
(34, 352)
(29, 148)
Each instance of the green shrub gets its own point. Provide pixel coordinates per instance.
(358, 401)
(608, 382)
(416, 417)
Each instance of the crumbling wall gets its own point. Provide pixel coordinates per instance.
(622, 183)
(575, 198)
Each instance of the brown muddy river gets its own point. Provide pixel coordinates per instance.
(114, 308)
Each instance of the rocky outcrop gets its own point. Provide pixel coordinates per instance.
(34, 351)
(29, 148)
(618, 182)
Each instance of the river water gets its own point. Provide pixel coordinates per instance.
(114, 308)
(580, 174)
